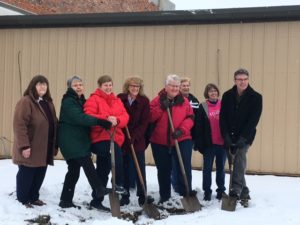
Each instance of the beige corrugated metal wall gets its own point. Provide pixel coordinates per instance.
(205, 53)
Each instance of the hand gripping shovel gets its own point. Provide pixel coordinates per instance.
(189, 203)
(149, 208)
(113, 196)
(228, 202)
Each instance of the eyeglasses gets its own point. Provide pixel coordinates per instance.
(241, 80)
(134, 86)
(174, 86)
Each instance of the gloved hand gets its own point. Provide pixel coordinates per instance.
(227, 141)
(164, 104)
(177, 133)
(241, 143)
(105, 124)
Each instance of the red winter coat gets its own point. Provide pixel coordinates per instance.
(182, 115)
(102, 105)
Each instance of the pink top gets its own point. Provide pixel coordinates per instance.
(213, 117)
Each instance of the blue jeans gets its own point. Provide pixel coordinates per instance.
(103, 162)
(29, 182)
(163, 157)
(175, 176)
(185, 147)
(130, 173)
(218, 152)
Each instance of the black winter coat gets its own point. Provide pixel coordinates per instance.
(239, 119)
(195, 106)
(203, 131)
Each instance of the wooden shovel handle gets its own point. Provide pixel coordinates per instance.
(178, 154)
(137, 166)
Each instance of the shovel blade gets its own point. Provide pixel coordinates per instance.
(228, 203)
(151, 211)
(191, 204)
(114, 205)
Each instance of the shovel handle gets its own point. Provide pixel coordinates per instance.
(137, 166)
(179, 154)
(113, 160)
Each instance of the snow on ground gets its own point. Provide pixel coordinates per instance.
(275, 201)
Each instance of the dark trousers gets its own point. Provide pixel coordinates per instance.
(73, 174)
(176, 172)
(129, 172)
(29, 182)
(103, 163)
(238, 174)
(218, 152)
(186, 154)
(133, 178)
(163, 160)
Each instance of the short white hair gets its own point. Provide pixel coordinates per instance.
(172, 77)
(70, 80)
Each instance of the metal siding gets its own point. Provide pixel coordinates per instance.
(292, 92)
(257, 62)
(280, 97)
(269, 78)
(205, 53)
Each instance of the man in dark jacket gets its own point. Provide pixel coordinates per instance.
(240, 112)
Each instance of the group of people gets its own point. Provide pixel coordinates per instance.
(88, 126)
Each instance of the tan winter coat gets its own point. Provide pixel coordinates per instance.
(30, 127)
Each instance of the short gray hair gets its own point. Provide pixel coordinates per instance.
(172, 77)
(70, 80)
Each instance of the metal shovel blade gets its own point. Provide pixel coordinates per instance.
(151, 211)
(191, 204)
(228, 203)
(114, 204)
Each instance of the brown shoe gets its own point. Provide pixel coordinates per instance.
(28, 205)
(38, 202)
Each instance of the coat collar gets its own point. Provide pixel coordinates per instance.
(71, 93)
(178, 100)
(249, 91)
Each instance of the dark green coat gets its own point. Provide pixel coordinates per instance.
(74, 127)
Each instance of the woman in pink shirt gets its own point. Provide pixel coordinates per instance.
(210, 142)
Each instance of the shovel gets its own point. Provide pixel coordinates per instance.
(113, 196)
(189, 203)
(228, 202)
(149, 208)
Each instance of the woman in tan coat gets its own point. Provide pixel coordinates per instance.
(34, 126)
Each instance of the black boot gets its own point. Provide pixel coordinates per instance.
(97, 204)
(67, 204)
(124, 200)
(221, 194)
(102, 191)
(207, 196)
(244, 199)
(149, 200)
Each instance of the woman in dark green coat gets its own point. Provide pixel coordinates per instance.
(74, 142)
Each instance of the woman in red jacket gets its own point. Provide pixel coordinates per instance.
(162, 138)
(103, 104)
(137, 106)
